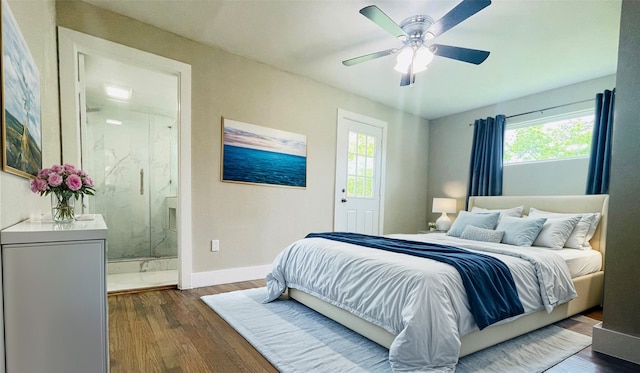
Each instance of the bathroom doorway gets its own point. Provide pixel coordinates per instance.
(129, 147)
(128, 134)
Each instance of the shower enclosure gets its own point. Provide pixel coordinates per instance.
(131, 154)
(129, 146)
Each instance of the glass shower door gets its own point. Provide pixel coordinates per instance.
(116, 155)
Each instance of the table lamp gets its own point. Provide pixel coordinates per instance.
(444, 205)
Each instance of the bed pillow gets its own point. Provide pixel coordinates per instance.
(556, 231)
(582, 233)
(474, 233)
(520, 231)
(486, 220)
(514, 211)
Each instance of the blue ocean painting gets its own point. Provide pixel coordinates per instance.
(263, 167)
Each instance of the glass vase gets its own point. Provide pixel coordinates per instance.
(63, 207)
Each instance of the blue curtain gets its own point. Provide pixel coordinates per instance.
(485, 171)
(600, 159)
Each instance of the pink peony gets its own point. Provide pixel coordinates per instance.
(74, 182)
(54, 180)
(70, 169)
(57, 168)
(44, 173)
(88, 181)
(34, 185)
(42, 185)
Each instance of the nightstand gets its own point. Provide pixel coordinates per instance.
(435, 231)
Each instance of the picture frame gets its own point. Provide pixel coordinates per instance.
(21, 110)
(253, 154)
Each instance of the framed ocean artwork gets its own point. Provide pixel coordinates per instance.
(21, 118)
(261, 155)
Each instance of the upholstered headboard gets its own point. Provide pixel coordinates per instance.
(567, 204)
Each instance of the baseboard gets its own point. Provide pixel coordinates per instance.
(616, 344)
(227, 276)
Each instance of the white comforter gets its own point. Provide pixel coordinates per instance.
(422, 301)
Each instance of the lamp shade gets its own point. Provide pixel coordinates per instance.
(444, 205)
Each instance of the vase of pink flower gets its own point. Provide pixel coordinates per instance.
(65, 184)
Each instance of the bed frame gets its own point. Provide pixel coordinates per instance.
(589, 287)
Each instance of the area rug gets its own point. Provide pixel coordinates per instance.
(295, 338)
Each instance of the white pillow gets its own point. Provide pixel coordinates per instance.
(556, 231)
(520, 231)
(514, 211)
(582, 233)
(472, 232)
(481, 220)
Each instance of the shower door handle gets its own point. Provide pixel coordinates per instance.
(141, 182)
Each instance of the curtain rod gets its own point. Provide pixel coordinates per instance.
(542, 110)
(549, 108)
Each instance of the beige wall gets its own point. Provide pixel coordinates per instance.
(253, 223)
(450, 141)
(36, 20)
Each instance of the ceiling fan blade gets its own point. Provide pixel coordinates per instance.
(406, 80)
(409, 78)
(462, 11)
(381, 19)
(473, 56)
(369, 57)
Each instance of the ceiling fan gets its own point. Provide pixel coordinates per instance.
(416, 32)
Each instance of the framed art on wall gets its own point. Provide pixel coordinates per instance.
(261, 155)
(21, 120)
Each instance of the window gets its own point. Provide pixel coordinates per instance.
(560, 137)
(361, 165)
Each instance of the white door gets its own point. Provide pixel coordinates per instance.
(360, 163)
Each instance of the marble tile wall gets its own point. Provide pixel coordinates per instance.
(135, 210)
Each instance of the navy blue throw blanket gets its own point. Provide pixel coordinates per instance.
(488, 281)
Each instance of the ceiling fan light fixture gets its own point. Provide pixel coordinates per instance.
(423, 57)
(420, 59)
(405, 57)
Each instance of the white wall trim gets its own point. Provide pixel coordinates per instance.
(227, 276)
(613, 343)
(70, 43)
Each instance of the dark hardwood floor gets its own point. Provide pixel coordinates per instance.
(174, 331)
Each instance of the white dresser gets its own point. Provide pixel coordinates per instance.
(55, 297)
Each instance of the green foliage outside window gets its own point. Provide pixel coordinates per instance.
(569, 138)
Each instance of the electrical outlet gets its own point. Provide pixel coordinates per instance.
(215, 245)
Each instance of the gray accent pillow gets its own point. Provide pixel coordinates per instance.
(481, 220)
(556, 231)
(471, 232)
(520, 231)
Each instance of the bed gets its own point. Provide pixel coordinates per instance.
(459, 338)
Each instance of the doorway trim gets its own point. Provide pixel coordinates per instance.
(343, 117)
(70, 43)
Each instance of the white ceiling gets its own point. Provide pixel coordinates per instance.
(535, 45)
